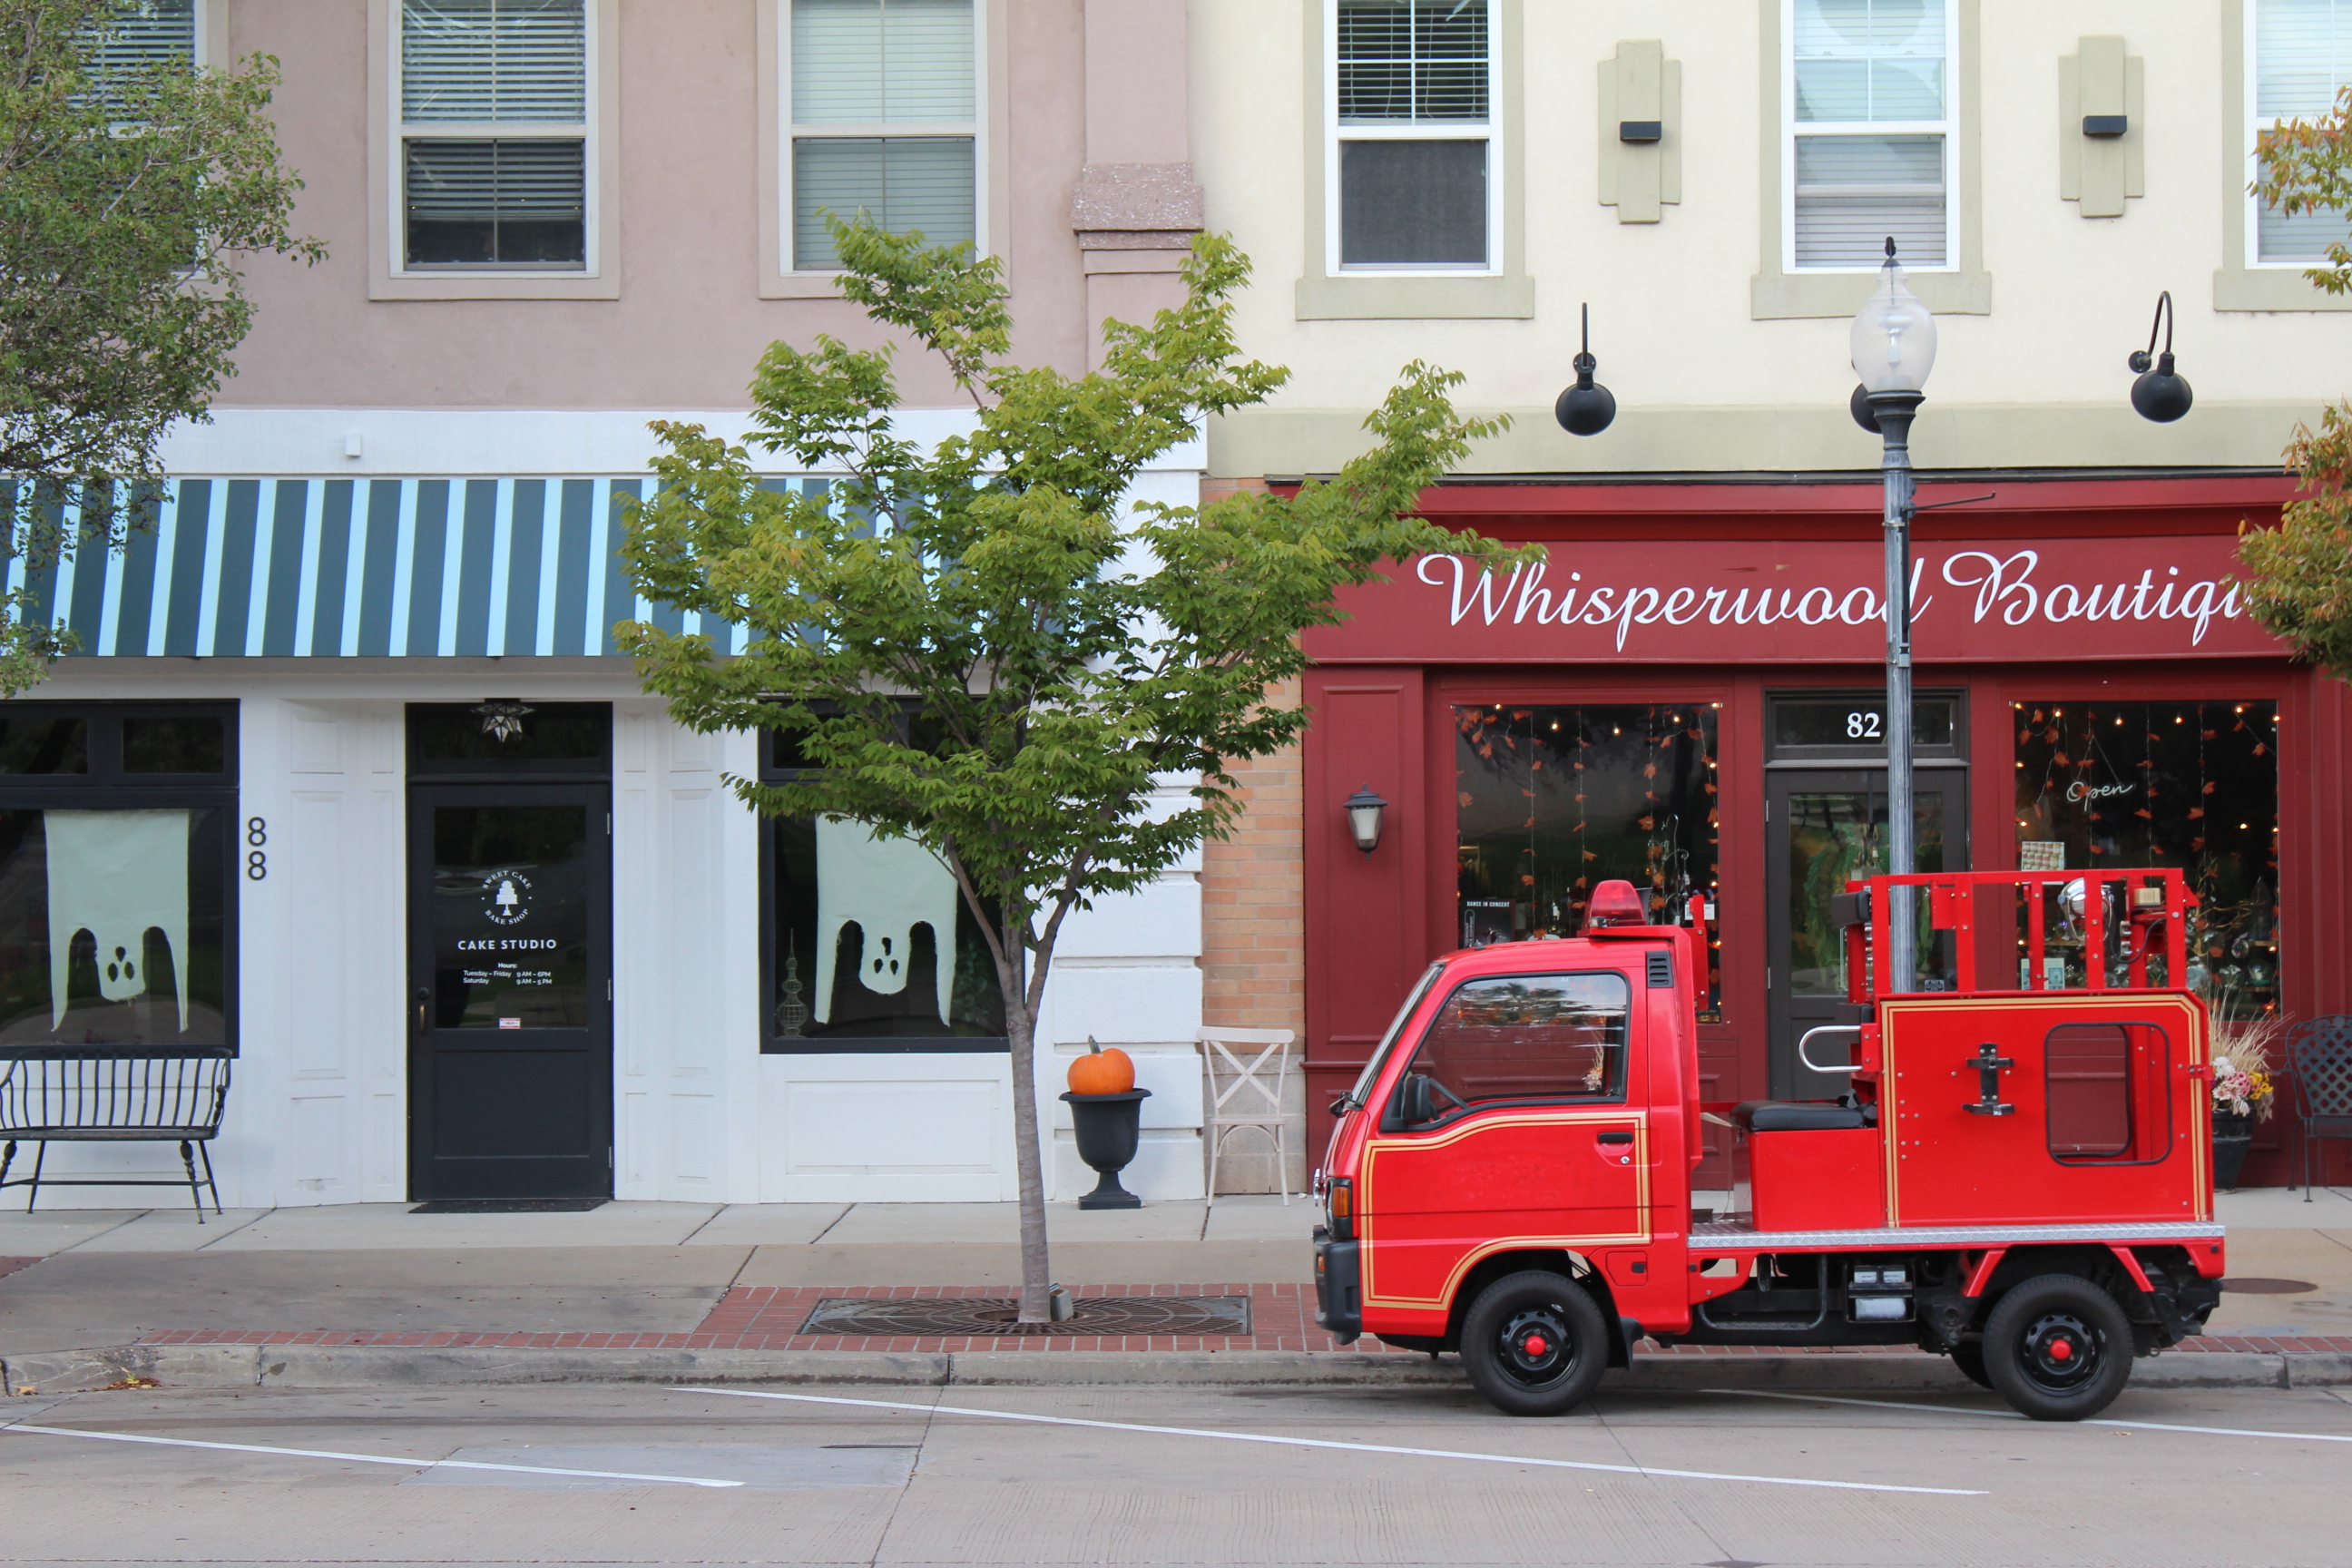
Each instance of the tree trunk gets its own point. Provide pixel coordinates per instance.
(1036, 1277)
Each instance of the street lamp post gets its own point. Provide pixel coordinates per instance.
(1894, 345)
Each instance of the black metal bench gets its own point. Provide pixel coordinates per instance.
(113, 1094)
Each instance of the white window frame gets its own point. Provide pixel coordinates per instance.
(788, 130)
(1489, 131)
(2254, 126)
(497, 129)
(1948, 128)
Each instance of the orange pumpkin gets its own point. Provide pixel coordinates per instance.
(1101, 1071)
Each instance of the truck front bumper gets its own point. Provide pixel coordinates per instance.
(1339, 1286)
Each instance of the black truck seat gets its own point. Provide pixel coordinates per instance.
(1800, 1116)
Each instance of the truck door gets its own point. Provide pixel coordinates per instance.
(1519, 1120)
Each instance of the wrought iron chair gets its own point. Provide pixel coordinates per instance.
(2320, 1050)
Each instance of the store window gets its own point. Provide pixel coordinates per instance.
(885, 121)
(119, 853)
(2111, 785)
(1552, 800)
(869, 943)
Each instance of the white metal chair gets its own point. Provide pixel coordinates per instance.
(1257, 1083)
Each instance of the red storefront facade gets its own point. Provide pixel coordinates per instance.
(1683, 694)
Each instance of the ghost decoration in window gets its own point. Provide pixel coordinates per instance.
(887, 886)
(117, 875)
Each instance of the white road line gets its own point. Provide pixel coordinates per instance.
(2013, 1415)
(369, 1459)
(1319, 1443)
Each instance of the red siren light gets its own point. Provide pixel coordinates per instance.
(1615, 903)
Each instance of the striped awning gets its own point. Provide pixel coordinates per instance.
(365, 567)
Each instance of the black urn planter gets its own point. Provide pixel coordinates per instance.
(2232, 1136)
(1109, 1127)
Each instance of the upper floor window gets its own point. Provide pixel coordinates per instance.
(1412, 147)
(1870, 135)
(2300, 59)
(883, 120)
(494, 109)
(147, 33)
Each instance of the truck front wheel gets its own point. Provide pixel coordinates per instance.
(2058, 1348)
(1535, 1343)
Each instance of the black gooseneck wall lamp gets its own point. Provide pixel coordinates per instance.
(1586, 408)
(2160, 394)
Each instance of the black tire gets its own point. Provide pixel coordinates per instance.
(2058, 1348)
(1969, 1359)
(1535, 1343)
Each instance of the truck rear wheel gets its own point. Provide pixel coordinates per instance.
(1535, 1343)
(2058, 1348)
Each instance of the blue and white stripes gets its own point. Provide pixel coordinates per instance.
(363, 568)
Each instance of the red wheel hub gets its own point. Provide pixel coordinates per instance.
(1536, 1345)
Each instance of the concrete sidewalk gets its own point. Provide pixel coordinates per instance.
(678, 1290)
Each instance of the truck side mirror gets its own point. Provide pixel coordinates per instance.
(1415, 1103)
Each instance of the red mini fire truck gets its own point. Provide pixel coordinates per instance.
(2018, 1178)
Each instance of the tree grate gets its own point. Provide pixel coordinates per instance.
(982, 1317)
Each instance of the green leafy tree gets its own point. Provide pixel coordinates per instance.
(1067, 653)
(128, 196)
(2299, 581)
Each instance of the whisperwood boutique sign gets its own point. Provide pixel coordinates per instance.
(1812, 601)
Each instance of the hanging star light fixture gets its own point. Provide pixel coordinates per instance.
(501, 717)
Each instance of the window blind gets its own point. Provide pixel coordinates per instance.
(882, 62)
(1869, 59)
(2303, 58)
(487, 61)
(150, 33)
(1853, 192)
(1412, 59)
(902, 183)
(1857, 65)
(488, 203)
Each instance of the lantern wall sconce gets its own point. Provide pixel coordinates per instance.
(1364, 809)
(2159, 394)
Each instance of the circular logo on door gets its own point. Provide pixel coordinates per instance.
(506, 896)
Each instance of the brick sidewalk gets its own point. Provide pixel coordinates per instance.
(757, 1318)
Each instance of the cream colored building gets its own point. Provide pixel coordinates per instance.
(1456, 181)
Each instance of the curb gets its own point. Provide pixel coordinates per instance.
(326, 1366)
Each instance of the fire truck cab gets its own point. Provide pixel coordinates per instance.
(2018, 1178)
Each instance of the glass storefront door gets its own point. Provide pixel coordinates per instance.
(1825, 826)
(511, 1077)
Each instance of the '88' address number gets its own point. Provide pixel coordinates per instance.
(256, 857)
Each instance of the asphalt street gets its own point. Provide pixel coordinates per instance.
(1121, 1475)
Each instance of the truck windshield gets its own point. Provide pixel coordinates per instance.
(1355, 1097)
